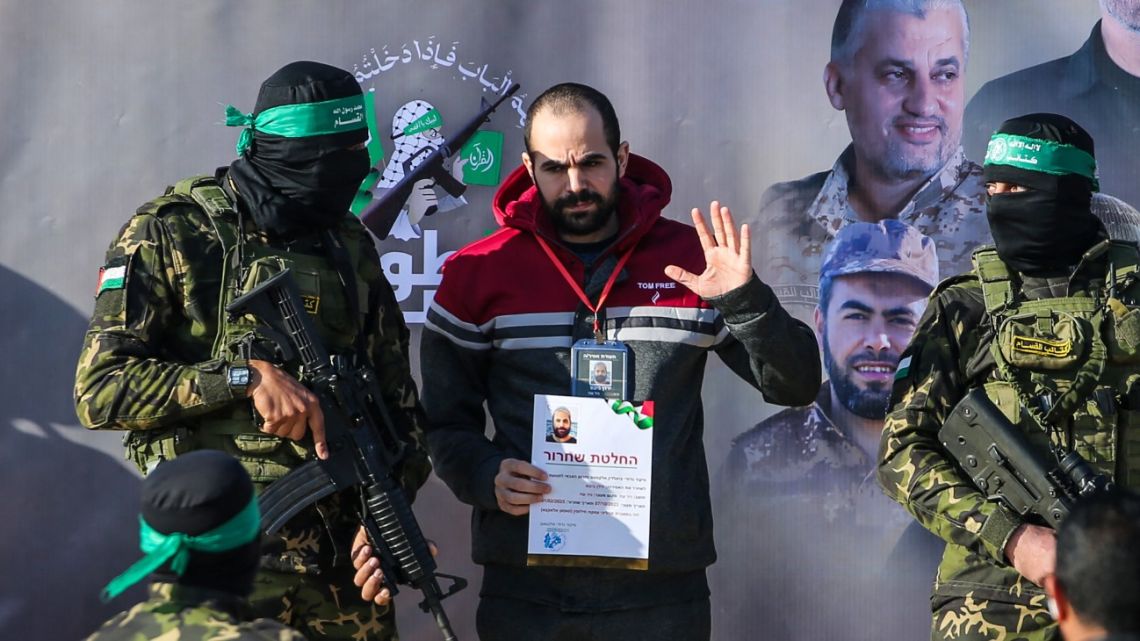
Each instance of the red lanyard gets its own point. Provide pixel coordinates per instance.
(578, 289)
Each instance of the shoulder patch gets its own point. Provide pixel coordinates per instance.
(113, 275)
(903, 368)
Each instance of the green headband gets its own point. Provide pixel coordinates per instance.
(243, 528)
(431, 120)
(1044, 156)
(300, 120)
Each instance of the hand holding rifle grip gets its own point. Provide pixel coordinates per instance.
(364, 448)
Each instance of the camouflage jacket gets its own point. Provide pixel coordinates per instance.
(800, 454)
(183, 613)
(800, 217)
(939, 366)
(796, 449)
(147, 361)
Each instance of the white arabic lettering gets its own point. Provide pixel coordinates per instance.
(481, 158)
(353, 121)
(398, 267)
(373, 64)
(517, 103)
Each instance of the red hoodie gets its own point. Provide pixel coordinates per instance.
(500, 329)
(645, 191)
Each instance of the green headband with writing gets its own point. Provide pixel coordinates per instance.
(431, 120)
(241, 529)
(1045, 156)
(300, 120)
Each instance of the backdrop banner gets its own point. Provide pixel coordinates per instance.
(109, 102)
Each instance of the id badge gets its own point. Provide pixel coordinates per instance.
(599, 369)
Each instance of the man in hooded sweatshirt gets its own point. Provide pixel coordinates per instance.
(163, 361)
(585, 253)
(1047, 326)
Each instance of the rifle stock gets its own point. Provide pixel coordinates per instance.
(1005, 465)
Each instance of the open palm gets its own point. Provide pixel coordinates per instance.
(728, 255)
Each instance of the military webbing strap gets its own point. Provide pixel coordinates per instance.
(343, 264)
(1124, 257)
(996, 281)
(213, 200)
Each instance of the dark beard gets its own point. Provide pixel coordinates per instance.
(583, 223)
(870, 403)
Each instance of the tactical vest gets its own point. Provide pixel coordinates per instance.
(249, 261)
(1068, 368)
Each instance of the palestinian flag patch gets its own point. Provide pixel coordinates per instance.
(111, 278)
(903, 369)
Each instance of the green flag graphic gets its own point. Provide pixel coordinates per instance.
(484, 156)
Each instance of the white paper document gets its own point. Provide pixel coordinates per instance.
(599, 457)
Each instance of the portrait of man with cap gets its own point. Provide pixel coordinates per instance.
(1052, 279)
(162, 361)
(198, 527)
(808, 516)
(873, 285)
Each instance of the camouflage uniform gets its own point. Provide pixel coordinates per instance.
(801, 451)
(977, 593)
(808, 519)
(153, 363)
(801, 218)
(801, 490)
(183, 613)
(798, 450)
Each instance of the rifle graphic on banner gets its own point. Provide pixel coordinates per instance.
(381, 215)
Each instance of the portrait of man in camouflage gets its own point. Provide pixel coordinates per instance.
(835, 533)
(199, 532)
(1045, 328)
(162, 360)
(874, 283)
(897, 72)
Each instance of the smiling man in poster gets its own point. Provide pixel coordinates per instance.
(897, 73)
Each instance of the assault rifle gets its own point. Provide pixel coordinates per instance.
(364, 448)
(1007, 467)
(381, 215)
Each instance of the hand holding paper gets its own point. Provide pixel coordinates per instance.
(518, 485)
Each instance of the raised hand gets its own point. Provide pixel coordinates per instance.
(728, 255)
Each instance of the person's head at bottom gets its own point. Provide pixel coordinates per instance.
(1095, 589)
(198, 526)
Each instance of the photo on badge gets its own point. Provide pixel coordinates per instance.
(599, 369)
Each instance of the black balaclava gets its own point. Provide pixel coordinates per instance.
(196, 493)
(1048, 228)
(294, 184)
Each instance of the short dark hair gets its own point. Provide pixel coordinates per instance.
(572, 97)
(1098, 560)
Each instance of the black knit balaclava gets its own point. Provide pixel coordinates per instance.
(291, 184)
(1049, 227)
